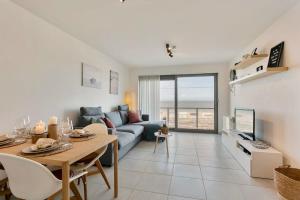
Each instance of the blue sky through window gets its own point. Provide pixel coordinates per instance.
(197, 88)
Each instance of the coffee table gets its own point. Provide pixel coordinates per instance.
(160, 135)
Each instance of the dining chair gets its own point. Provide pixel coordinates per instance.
(93, 159)
(29, 179)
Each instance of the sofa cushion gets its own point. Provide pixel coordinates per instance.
(150, 128)
(145, 123)
(115, 117)
(108, 123)
(95, 120)
(124, 117)
(124, 138)
(87, 120)
(123, 108)
(142, 123)
(134, 117)
(91, 111)
(134, 129)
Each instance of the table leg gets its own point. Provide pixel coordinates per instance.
(65, 181)
(155, 144)
(115, 143)
(167, 146)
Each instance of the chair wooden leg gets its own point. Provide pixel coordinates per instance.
(75, 190)
(100, 168)
(84, 177)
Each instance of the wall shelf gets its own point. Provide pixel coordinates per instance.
(250, 61)
(267, 72)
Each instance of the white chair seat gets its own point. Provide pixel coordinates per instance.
(29, 179)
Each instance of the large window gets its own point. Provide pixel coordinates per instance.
(167, 101)
(189, 102)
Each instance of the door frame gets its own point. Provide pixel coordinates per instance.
(216, 101)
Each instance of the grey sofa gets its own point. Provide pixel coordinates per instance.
(129, 135)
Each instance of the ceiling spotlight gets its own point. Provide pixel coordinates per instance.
(170, 49)
(122, 1)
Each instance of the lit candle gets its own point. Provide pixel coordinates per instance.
(53, 120)
(40, 127)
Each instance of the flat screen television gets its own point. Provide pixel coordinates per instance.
(245, 122)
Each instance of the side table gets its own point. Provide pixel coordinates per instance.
(161, 135)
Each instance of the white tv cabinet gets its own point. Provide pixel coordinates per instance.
(258, 163)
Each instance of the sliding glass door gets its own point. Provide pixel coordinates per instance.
(195, 107)
(189, 102)
(167, 100)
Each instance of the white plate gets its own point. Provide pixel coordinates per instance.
(28, 150)
(8, 141)
(74, 135)
(2, 139)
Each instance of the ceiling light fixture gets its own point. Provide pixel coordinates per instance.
(170, 49)
(122, 1)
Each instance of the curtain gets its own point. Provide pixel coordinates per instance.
(149, 96)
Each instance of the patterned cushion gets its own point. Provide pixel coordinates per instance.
(91, 111)
(97, 120)
(84, 121)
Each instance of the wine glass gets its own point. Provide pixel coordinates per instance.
(22, 127)
(16, 132)
(26, 126)
(65, 127)
(70, 123)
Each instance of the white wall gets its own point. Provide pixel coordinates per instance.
(277, 98)
(41, 70)
(221, 69)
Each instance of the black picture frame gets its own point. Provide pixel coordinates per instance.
(275, 55)
(233, 75)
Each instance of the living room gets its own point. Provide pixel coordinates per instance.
(166, 82)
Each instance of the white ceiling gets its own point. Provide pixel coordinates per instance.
(135, 33)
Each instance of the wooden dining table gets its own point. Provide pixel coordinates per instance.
(67, 158)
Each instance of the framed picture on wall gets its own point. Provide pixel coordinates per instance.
(114, 82)
(91, 76)
(275, 55)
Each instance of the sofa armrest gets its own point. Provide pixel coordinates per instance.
(145, 117)
(111, 131)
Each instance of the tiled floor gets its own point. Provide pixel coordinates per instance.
(199, 167)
